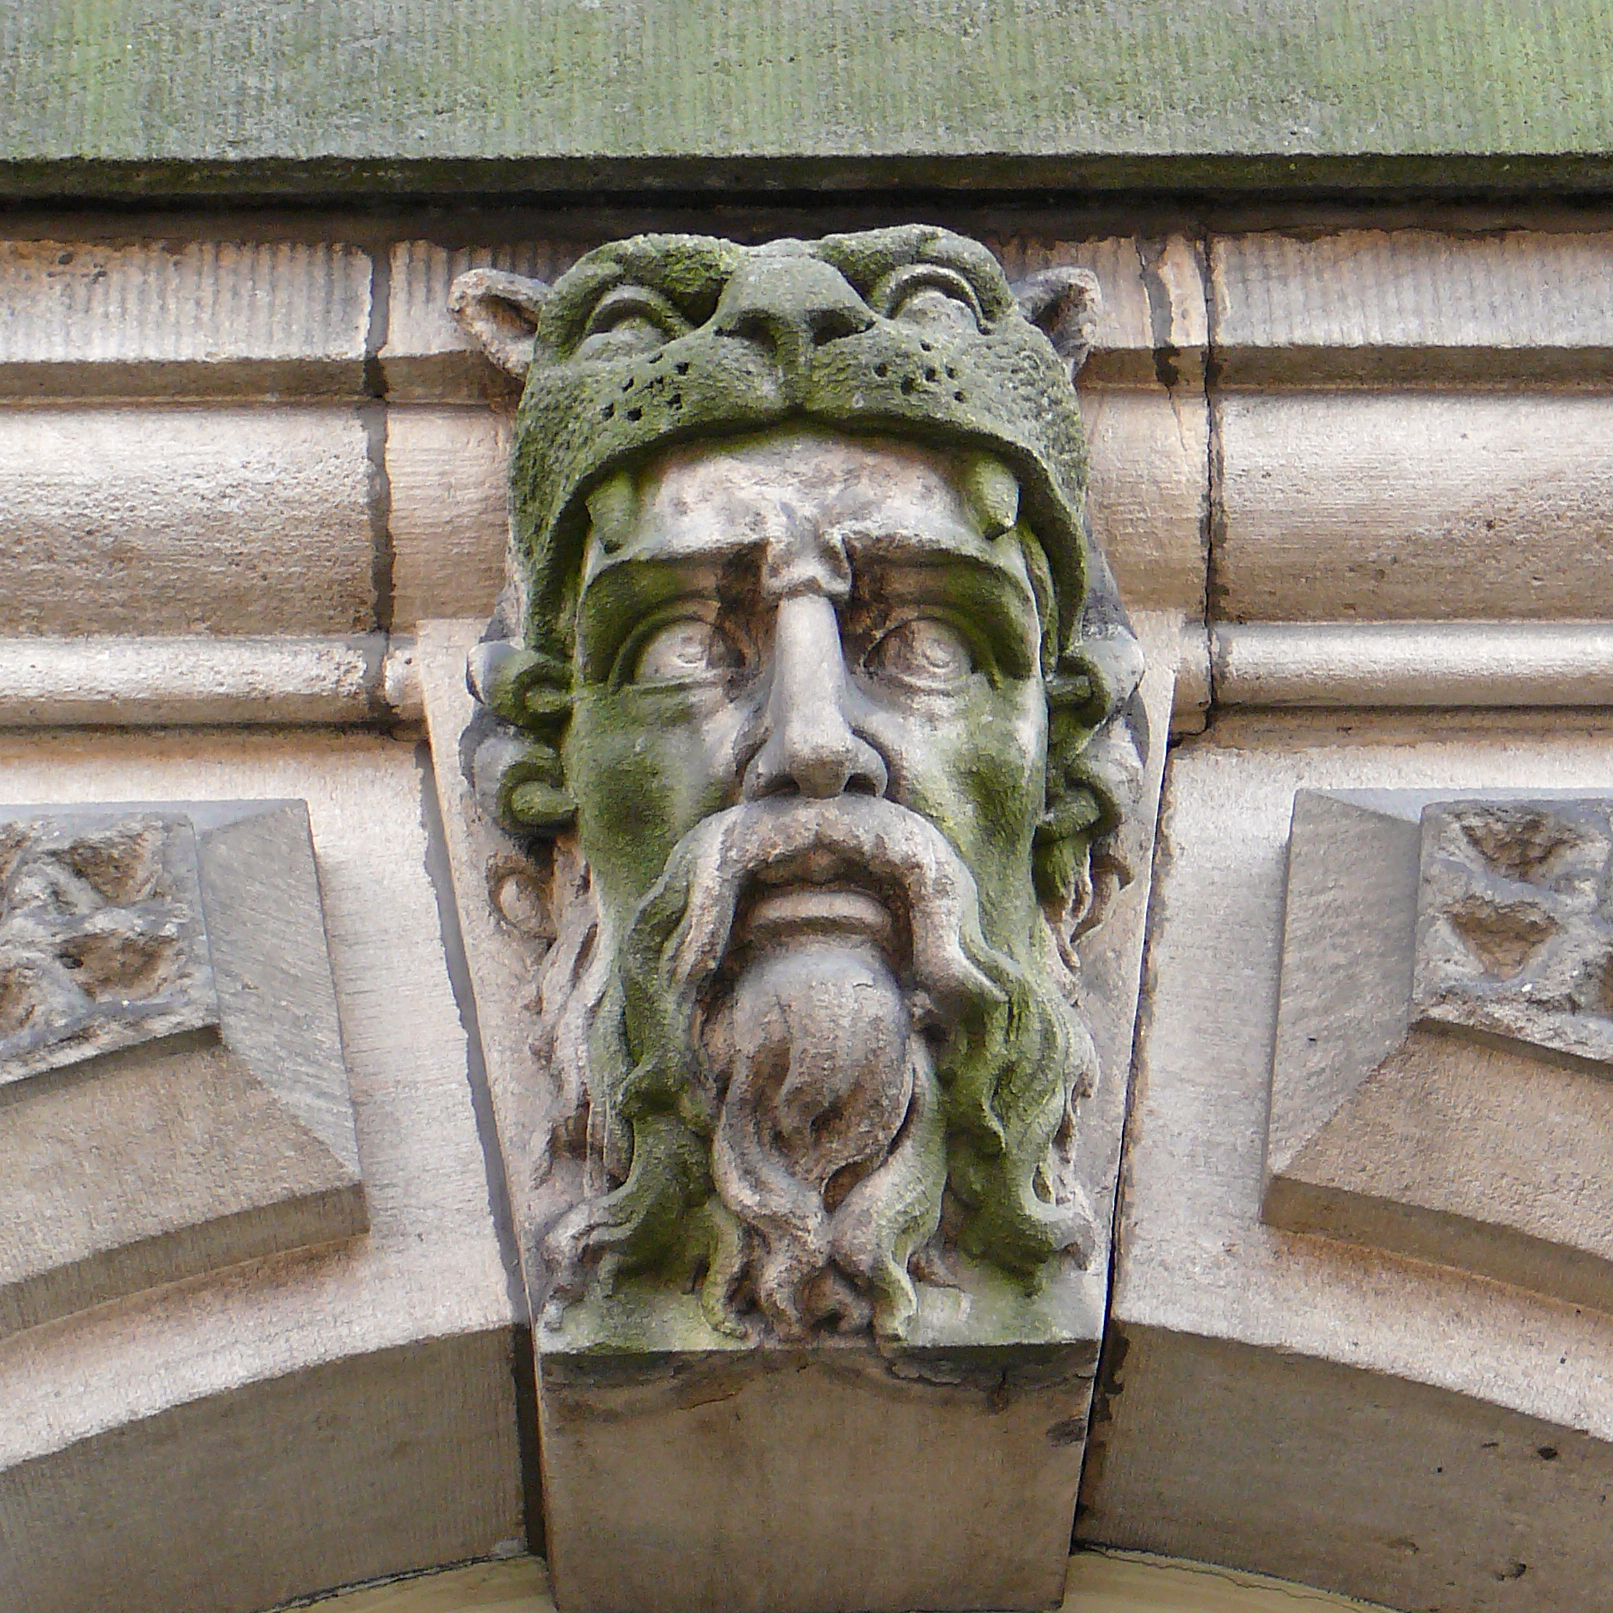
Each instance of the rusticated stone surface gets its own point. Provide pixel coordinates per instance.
(102, 943)
(1440, 1084)
(1515, 922)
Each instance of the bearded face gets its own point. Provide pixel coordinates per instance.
(810, 1032)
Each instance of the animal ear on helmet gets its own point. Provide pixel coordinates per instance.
(1063, 304)
(501, 311)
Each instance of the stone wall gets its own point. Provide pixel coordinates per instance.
(1361, 468)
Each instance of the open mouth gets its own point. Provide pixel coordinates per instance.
(816, 892)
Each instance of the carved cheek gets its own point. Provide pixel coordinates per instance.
(645, 769)
(988, 749)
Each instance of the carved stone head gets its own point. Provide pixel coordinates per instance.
(824, 705)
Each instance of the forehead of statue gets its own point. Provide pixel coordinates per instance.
(809, 508)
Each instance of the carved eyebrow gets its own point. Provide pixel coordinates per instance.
(919, 550)
(618, 600)
(973, 584)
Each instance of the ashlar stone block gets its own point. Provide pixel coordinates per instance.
(1412, 305)
(182, 319)
(1412, 504)
(449, 475)
(185, 520)
(1442, 1083)
(1396, 1424)
(173, 1096)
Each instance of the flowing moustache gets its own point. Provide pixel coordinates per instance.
(804, 1039)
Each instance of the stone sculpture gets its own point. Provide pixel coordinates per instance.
(827, 707)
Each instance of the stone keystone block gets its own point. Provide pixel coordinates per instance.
(173, 1096)
(802, 770)
(1442, 1084)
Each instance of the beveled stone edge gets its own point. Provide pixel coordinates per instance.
(1416, 664)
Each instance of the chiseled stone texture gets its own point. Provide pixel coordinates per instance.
(186, 520)
(1400, 505)
(1366, 1423)
(203, 318)
(493, 96)
(102, 940)
(1360, 304)
(314, 1419)
(449, 473)
(1513, 933)
(1148, 492)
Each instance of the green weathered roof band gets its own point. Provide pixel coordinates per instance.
(280, 96)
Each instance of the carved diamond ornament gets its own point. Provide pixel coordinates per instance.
(1442, 1083)
(1515, 922)
(102, 942)
(172, 1091)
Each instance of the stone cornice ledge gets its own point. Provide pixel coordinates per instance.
(1429, 664)
(118, 99)
(157, 682)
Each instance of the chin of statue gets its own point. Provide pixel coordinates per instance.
(800, 1052)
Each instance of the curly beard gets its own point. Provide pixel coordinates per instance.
(799, 1054)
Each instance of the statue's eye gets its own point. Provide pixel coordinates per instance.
(932, 296)
(924, 652)
(628, 320)
(683, 650)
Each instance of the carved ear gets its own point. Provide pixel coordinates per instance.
(1064, 304)
(501, 311)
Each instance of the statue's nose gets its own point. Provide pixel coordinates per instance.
(790, 305)
(811, 747)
